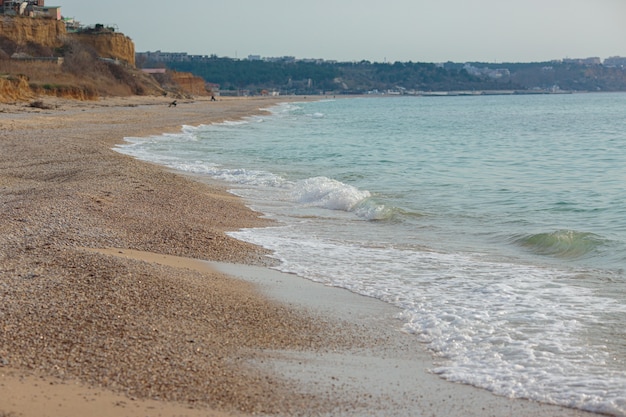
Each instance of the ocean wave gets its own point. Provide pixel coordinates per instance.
(331, 194)
(239, 176)
(187, 129)
(282, 108)
(232, 122)
(567, 244)
(187, 134)
(328, 193)
(372, 210)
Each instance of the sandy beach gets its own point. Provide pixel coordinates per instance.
(108, 306)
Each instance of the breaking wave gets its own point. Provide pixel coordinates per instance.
(567, 244)
(331, 194)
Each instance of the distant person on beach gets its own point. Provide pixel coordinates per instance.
(212, 97)
(173, 103)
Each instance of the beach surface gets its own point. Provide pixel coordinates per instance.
(122, 295)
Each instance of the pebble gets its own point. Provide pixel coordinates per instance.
(146, 330)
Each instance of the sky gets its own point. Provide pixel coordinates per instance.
(373, 30)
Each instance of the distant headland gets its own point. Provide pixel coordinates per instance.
(289, 75)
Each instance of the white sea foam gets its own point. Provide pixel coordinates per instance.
(327, 193)
(187, 129)
(233, 122)
(283, 108)
(529, 337)
(321, 192)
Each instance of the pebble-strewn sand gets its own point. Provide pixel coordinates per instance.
(85, 332)
(146, 330)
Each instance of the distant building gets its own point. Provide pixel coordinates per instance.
(50, 11)
(286, 59)
(485, 71)
(159, 56)
(583, 61)
(32, 8)
(12, 3)
(154, 70)
(213, 88)
(615, 61)
(312, 61)
(71, 25)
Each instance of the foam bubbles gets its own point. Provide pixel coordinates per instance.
(514, 329)
(327, 193)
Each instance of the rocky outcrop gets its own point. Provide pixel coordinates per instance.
(23, 30)
(109, 45)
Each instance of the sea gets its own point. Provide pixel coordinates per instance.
(496, 224)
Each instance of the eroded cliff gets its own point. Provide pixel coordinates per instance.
(24, 30)
(14, 88)
(52, 34)
(109, 45)
(38, 57)
(189, 83)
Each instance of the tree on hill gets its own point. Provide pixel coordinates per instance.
(303, 77)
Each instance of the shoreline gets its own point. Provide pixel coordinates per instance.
(239, 339)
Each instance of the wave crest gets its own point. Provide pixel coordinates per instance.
(328, 193)
(568, 244)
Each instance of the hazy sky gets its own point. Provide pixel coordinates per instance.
(375, 30)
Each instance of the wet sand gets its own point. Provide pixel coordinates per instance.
(108, 308)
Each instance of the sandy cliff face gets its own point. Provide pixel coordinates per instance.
(109, 45)
(189, 83)
(14, 89)
(45, 32)
(52, 33)
(17, 88)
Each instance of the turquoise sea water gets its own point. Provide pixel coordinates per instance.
(496, 223)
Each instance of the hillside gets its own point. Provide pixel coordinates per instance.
(321, 77)
(38, 57)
